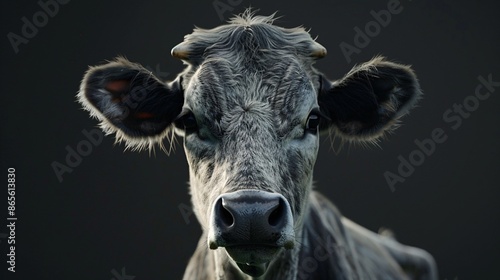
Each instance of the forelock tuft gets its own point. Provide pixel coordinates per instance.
(248, 17)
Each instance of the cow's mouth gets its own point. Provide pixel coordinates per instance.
(254, 227)
(253, 259)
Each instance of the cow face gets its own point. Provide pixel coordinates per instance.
(250, 108)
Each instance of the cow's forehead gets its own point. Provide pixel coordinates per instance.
(283, 90)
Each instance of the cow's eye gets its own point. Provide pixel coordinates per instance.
(312, 123)
(187, 122)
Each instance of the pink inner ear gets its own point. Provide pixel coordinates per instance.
(143, 115)
(117, 86)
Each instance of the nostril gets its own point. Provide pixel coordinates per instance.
(277, 214)
(225, 216)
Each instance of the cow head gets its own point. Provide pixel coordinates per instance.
(250, 108)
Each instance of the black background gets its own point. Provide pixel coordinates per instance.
(121, 209)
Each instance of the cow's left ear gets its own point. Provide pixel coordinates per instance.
(369, 100)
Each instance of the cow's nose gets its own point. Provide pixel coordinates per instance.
(251, 217)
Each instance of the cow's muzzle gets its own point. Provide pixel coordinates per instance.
(252, 225)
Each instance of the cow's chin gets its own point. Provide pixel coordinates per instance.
(253, 259)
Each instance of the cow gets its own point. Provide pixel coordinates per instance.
(250, 108)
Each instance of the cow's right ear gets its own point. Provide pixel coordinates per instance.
(131, 102)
